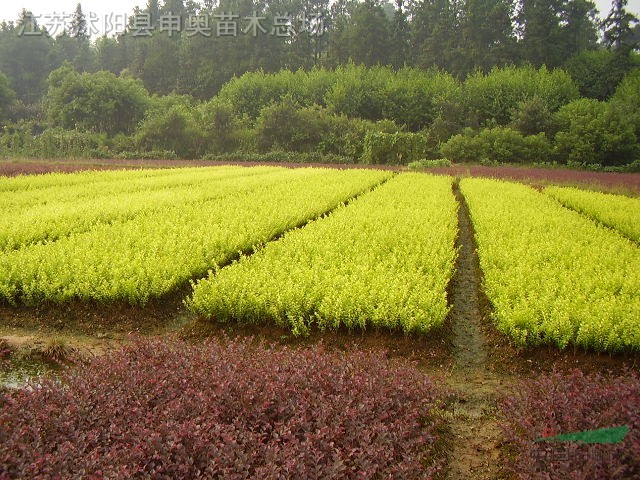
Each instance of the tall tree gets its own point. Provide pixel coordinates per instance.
(400, 35)
(25, 57)
(363, 35)
(540, 32)
(620, 38)
(111, 53)
(174, 7)
(78, 27)
(435, 33)
(618, 28)
(153, 9)
(487, 33)
(78, 51)
(7, 97)
(580, 26)
(74, 45)
(552, 31)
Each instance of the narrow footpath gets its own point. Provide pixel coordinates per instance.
(474, 452)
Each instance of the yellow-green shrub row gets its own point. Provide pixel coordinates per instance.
(55, 219)
(552, 275)
(47, 180)
(616, 211)
(385, 260)
(95, 188)
(158, 251)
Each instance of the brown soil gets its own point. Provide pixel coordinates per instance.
(96, 319)
(430, 352)
(475, 434)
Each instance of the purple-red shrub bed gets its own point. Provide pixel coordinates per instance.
(561, 403)
(233, 409)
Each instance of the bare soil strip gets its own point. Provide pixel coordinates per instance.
(475, 444)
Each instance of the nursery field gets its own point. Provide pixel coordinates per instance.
(451, 271)
(552, 274)
(560, 267)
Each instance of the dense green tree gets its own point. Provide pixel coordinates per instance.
(487, 34)
(156, 61)
(359, 92)
(221, 126)
(173, 7)
(363, 36)
(400, 35)
(553, 30)
(172, 124)
(153, 9)
(532, 116)
(580, 26)
(618, 28)
(540, 32)
(435, 33)
(598, 72)
(619, 37)
(25, 57)
(457, 36)
(111, 53)
(416, 99)
(594, 132)
(627, 99)
(7, 97)
(496, 145)
(77, 50)
(493, 98)
(95, 102)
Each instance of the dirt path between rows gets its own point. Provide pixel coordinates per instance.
(475, 447)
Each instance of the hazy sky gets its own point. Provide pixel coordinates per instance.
(9, 9)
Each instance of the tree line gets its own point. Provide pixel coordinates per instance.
(381, 82)
(457, 36)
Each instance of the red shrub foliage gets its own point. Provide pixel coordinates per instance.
(573, 402)
(542, 176)
(38, 167)
(232, 410)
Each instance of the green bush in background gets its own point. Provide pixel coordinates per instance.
(398, 148)
(353, 113)
(595, 133)
(496, 145)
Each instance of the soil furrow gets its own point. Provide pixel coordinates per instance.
(475, 434)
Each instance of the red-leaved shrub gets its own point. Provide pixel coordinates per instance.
(561, 403)
(236, 409)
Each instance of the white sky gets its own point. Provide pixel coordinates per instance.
(9, 9)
